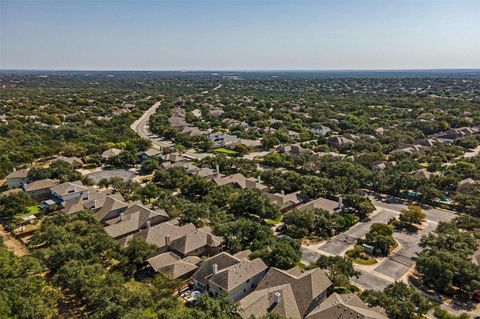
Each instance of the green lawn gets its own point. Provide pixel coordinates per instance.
(225, 151)
(31, 210)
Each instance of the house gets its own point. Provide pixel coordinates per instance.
(465, 185)
(322, 203)
(111, 208)
(279, 300)
(240, 181)
(346, 306)
(284, 201)
(150, 153)
(250, 143)
(338, 141)
(455, 133)
(75, 162)
(40, 190)
(17, 178)
(193, 131)
(93, 202)
(69, 191)
(174, 157)
(111, 152)
(379, 166)
(423, 173)
(207, 173)
(186, 240)
(409, 148)
(226, 274)
(292, 150)
(173, 266)
(291, 291)
(133, 219)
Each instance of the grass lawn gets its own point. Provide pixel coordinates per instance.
(225, 151)
(369, 261)
(31, 210)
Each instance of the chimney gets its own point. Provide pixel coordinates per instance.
(277, 297)
(282, 192)
(259, 179)
(214, 269)
(167, 240)
(147, 224)
(340, 203)
(217, 169)
(95, 203)
(122, 216)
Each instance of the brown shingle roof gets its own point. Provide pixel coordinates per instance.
(306, 287)
(263, 301)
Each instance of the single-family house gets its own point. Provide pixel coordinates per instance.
(346, 306)
(309, 288)
(224, 274)
(173, 266)
(39, 190)
(111, 208)
(111, 152)
(75, 162)
(133, 219)
(17, 178)
(322, 203)
(69, 191)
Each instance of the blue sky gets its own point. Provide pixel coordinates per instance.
(239, 35)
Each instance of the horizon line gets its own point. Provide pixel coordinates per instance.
(239, 70)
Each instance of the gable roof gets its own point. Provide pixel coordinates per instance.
(133, 219)
(40, 184)
(222, 260)
(306, 286)
(111, 152)
(323, 203)
(21, 173)
(110, 204)
(347, 306)
(263, 301)
(231, 277)
(172, 266)
(69, 188)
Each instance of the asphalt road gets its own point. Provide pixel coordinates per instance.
(141, 126)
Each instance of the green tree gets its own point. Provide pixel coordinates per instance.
(412, 215)
(399, 300)
(339, 269)
(381, 238)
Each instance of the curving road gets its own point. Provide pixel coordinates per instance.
(141, 126)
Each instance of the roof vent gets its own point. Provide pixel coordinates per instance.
(214, 269)
(277, 297)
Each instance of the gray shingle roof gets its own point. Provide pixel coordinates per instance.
(40, 184)
(135, 217)
(110, 204)
(69, 188)
(347, 306)
(231, 277)
(21, 173)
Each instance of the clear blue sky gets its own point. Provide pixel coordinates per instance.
(239, 34)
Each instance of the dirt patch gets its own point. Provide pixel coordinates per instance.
(12, 243)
